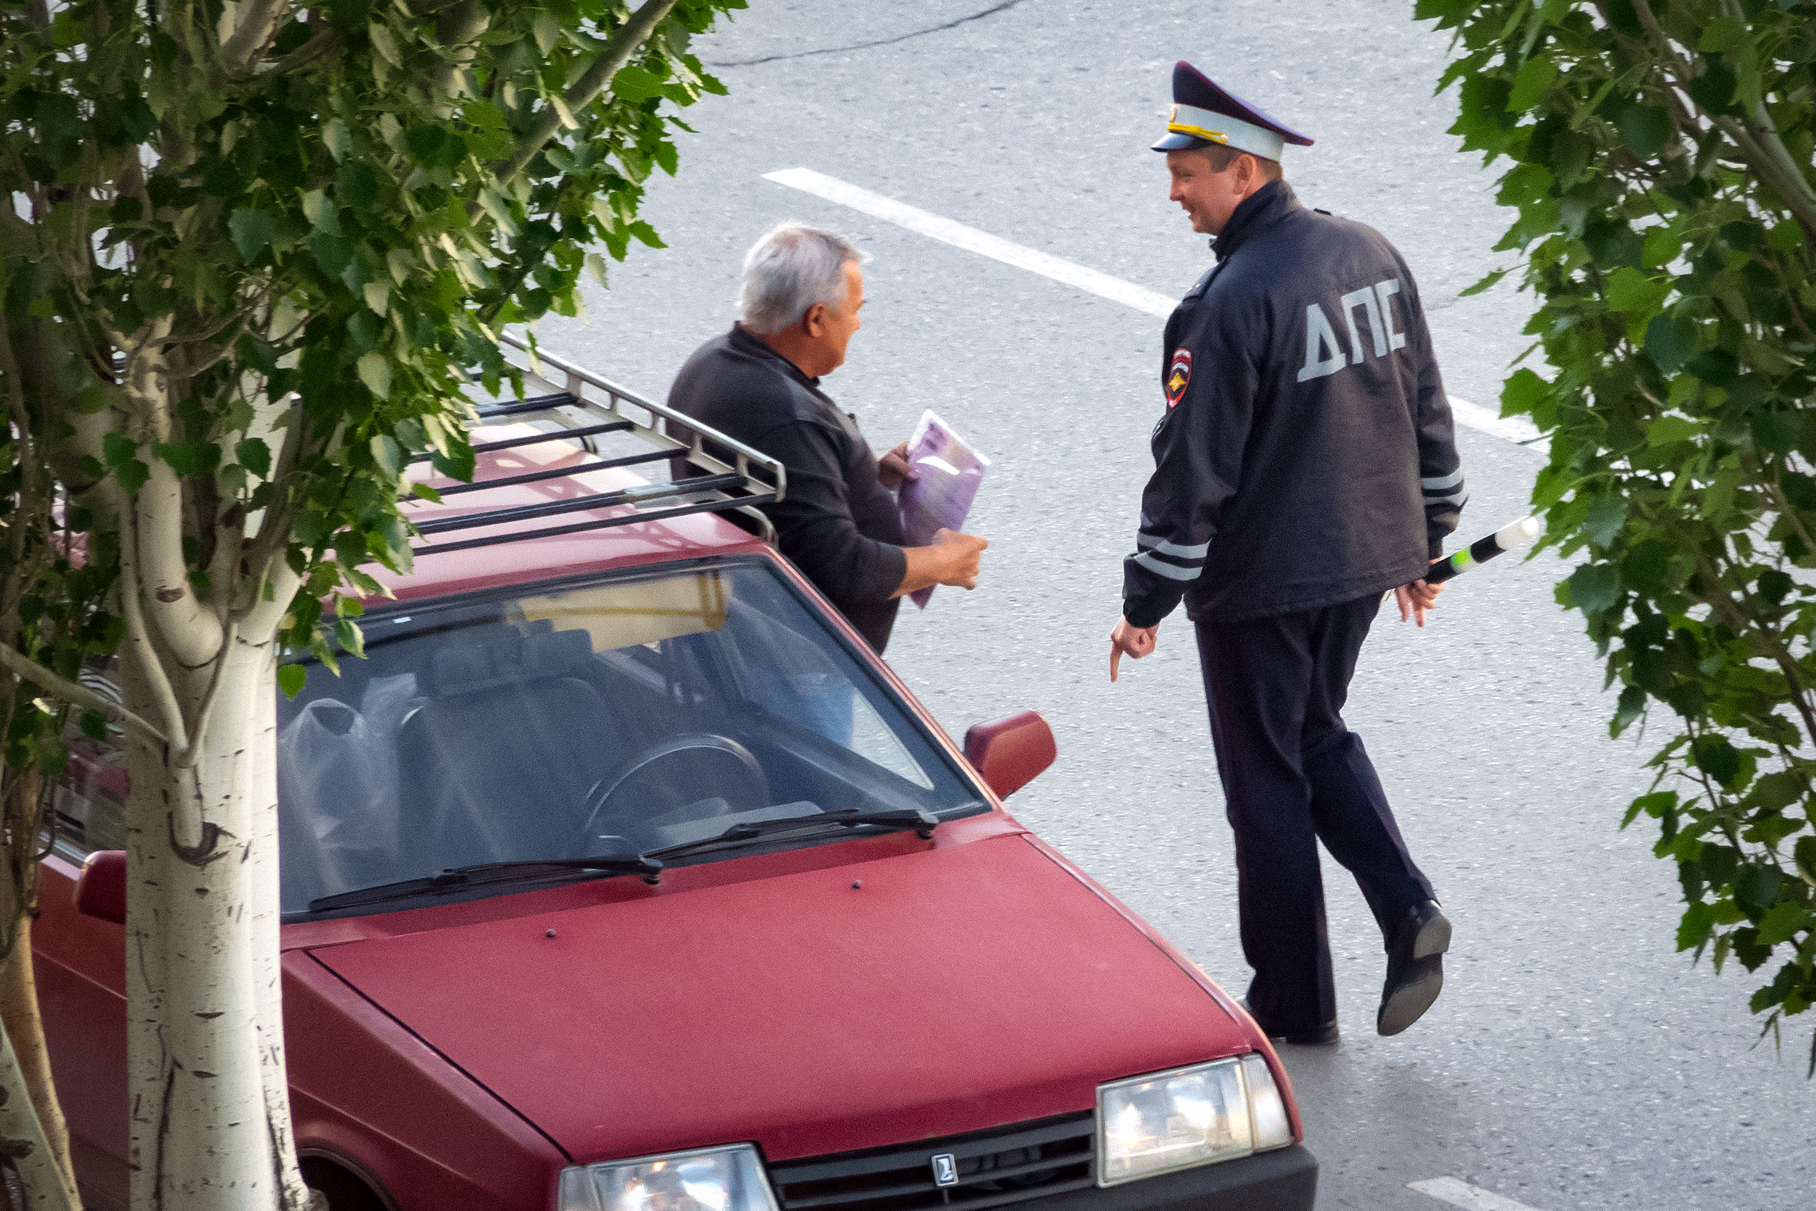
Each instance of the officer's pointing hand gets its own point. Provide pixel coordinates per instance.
(1132, 641)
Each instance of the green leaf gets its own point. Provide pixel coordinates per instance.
(1524, 390)
(1670, 342)
(546, 31)
(375, 371)
(254, 455)
(1595, 587)
(1806, 860)
(321, 212)
(1784, 922)
(185, 458)
(1717, 758)
(1693, 929)
(647, 234)
(1607, 514)
(1484, 284)
(118, 449)
(1535, 76)
(636, 84)
(1668, 429)
(1661, 247)
(350, 637)
(1757, 886)
(386, 45)
(1631, 706)
(356, 184)
(290, 679)
(1645, 129)
(388, 454)
(252, 231)
(132, 475)
(1630, 290)
(1777, 432)
(332, 254)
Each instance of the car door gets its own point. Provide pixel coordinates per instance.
(80, 964)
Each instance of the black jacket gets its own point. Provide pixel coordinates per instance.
(836, 521)
(1307, 455)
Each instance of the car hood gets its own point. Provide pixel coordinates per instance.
(959, 988)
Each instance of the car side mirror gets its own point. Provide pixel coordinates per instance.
(1012, 752)
(101, 887)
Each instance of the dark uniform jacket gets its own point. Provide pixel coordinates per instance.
(1307, 455)
(836, 521)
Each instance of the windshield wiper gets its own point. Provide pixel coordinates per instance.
(490, 873)
(919, 819)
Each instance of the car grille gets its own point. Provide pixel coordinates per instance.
(994, 1168)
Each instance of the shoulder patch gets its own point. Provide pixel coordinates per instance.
(1179, 375)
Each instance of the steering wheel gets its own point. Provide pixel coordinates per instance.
(669, 775)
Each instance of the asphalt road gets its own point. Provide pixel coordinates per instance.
(1574, 1060)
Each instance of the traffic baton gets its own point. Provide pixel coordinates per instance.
(1509, 537)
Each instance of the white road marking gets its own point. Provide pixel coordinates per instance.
(1514, 429)
(1462, 1194)
(973, 240)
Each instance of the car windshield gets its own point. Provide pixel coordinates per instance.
(660, 709)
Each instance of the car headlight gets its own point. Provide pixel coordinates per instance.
(706, 1179)
(1190, 1116)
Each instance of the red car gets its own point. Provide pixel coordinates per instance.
(623, 876)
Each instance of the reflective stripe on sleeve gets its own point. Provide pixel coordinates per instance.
(1172, 548)
(1171, 571)
(1440, 482)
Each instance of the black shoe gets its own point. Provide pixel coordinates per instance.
(1415, 967)
(1318, 1036)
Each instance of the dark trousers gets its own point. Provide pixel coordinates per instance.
(1293, 775)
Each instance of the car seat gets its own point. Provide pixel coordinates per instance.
(496, 764)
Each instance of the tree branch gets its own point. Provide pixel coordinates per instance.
(138, 636)
(324, 43)
(618, 50)
(1755, 137)
(74, 692)
(155, 514)
(255, 28)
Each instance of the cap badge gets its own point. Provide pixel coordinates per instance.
(1179, 375)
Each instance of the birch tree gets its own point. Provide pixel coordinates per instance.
(1662, 161)
(277, 242)
(49, 621)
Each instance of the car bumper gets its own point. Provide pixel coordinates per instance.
(1283, 1180)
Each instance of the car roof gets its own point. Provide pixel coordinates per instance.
(509, 557)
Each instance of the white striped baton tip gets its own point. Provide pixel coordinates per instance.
(923, 222)
(1462, 1194)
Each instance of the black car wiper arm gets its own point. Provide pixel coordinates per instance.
(485, 873)
(919, 819)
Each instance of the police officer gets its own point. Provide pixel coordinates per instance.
(1305, 464)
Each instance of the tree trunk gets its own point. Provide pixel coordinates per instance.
(25, 1032)
(210, 1124)
(47, 1186)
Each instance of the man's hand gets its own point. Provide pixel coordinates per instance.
(1132, 641)
(952, 558)
(1416, 598)
(893, 467)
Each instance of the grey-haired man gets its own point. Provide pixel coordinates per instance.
(760, 383)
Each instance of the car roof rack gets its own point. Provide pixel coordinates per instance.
(570, 404)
